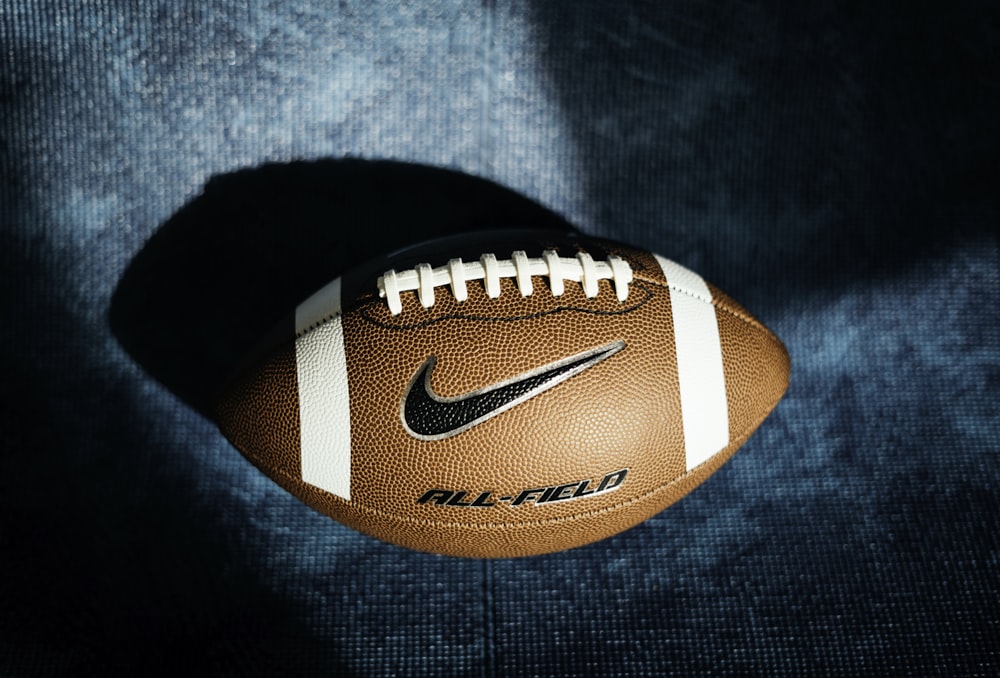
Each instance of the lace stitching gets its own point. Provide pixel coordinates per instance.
(456, 274)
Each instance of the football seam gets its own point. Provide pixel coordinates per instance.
(748, 319)
(362, 312)
(461, 316)
(318, 324)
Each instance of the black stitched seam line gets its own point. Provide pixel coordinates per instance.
(746, 319)
(530, 316)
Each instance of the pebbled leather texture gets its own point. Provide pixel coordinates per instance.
(621, 413)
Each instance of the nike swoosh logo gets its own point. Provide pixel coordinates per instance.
(428, 416)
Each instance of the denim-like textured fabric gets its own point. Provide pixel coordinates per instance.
(833, 166)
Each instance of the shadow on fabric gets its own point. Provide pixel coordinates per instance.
(231, 263)
(780, 151)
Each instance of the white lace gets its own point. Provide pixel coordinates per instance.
(582, 269)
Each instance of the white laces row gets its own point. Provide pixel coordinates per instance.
(582, 269)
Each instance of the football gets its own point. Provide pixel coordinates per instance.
(500, 394)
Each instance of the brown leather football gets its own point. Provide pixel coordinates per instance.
(502, 394)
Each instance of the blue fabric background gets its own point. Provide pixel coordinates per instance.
(832, 165)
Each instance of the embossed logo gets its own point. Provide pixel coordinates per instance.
(428, 416)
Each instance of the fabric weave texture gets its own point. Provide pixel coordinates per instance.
(833, 166)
